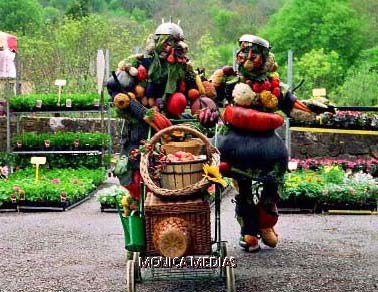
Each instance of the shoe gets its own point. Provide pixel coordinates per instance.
(249, 243)
(269, 236)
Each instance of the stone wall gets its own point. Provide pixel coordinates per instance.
(303, 144)
(333, 145)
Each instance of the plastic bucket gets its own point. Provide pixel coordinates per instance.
(133, 227)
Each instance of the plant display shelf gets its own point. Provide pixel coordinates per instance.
(54, 112)
(25, 206)
(101, 111)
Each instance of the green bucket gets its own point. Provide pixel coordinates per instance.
(133, 227)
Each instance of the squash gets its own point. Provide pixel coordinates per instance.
(251, 120)
(209, 89)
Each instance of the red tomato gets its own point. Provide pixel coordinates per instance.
(276, 91)
(257, 87)
(275, 82)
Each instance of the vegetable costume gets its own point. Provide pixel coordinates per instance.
(248, 141)
(146, 89)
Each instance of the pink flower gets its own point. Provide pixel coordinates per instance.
(55, 181)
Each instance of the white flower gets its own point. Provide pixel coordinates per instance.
(4, 171)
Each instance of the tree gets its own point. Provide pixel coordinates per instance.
(314, 24)
(360, 86)
(20, 16)
(319, 70)
(78, 9)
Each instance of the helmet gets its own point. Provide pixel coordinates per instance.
(255, 40)
(170, 28)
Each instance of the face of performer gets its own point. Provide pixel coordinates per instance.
(250, 56)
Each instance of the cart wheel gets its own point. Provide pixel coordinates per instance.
(222, 255)
(138, 273)
(130, 276)
(129, 255)
(230, 281)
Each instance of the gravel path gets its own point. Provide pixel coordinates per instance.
(82, 250)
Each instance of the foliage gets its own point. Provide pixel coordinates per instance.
(319, 70)
(60, 141)
(108, 196)
(29, 102)
(20, 16)
(75, 184)
(342, 120)
(331, 185)
(78, 9)
(57, 51)
(7, 159)
(360, 86)
(209, 61)
(66, 161)
(369, 166)
(329, 24)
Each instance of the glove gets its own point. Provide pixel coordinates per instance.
(289, 101)
(122, 100)
(319, 105)
(208, 117)
(156, 120)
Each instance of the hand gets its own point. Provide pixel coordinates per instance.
(156, 120)
(319, 105)
(208, 117)
(122, 100)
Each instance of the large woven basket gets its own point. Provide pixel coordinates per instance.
(177, 228)
(179, 178)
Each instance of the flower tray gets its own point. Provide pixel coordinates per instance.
(104, 207)
(8, 207)
(41, 206)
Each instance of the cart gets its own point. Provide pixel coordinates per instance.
(137, 252)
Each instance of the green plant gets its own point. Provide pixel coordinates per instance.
(73, 183)
(108, 196)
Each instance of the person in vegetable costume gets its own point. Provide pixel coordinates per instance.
(147, 90)
(251, 151)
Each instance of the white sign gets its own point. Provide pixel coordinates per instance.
(100, 66)
(60, 82)
(319, 92)
(38, 160)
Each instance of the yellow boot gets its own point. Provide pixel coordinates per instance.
(269, 236)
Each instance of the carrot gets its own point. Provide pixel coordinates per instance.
(249, 119)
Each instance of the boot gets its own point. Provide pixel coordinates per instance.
(269, 236)
(249, 243)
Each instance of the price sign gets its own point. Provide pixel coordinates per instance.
(37, 161)
(60, 83)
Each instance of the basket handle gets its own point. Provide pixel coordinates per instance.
(210, 148)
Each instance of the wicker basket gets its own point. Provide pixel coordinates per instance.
(187, 223)
(193, 146)
(185, 187)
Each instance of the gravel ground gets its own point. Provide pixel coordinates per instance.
(82, 250)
